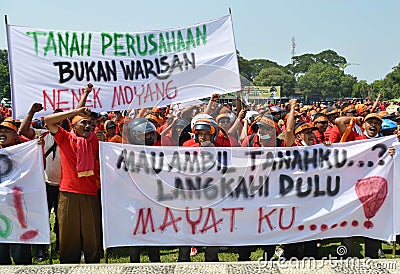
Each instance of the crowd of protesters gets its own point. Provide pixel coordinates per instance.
(71, 142)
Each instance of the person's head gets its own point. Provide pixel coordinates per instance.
(276, 112)
(117, 115)
(100, 133)
(82, 126)
(8, 134)
(303, 133)
(110, 128)
(169, 118)
(362, 110)
(224, 121)
(141, 132)
(388, 127)
(205, 130)
(372, 124)
(348, 110)
(178, 127)
(332, 114)
(155, 119)
(266, 131)
(320, 121)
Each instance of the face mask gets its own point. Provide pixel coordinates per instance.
(264, 137)
(303, 143)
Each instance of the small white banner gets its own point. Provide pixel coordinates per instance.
(24, 215)
(246, 196)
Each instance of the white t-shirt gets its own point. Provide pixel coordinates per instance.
(53, 166)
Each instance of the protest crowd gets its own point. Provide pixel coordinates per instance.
(70, 141)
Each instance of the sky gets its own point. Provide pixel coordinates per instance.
(365, 32)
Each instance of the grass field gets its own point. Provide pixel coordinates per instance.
(170, 254)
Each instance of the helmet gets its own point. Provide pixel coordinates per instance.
(199, 116)
(388, 124)
(137, 128)
(205, 124)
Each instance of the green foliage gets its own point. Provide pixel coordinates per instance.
(301, 64)
(392, 83)
(274, 76)
(326, 81)
(4, 75)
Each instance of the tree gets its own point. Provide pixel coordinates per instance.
(4, 75)
(301, 64)
(259, 64)
(245, 68)
(392, 84)
(324, 81)
(361, 89)
(274, 76)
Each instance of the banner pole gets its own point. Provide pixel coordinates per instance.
(10, 65)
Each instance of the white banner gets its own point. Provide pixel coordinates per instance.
(24, 215)
(396, 189)
(245, 196)
(128, 70)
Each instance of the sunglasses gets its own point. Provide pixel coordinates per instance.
(352, 112)
(323, 122)
(224, 121)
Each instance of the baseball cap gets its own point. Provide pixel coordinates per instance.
(373, 115)
(109, 124)
(10, 125)
(303, 126)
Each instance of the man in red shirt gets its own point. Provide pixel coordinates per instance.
(321, 122)
(224, 139)
(372, 125)
(79, 207)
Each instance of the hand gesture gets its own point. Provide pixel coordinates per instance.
(83, 111)
(293, 102)
(36, 107)
(88, 87)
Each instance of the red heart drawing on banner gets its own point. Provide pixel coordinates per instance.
(372, 192)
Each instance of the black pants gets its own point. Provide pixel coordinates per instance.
(372, 247)
(21, 253)
(301, 250)
(52, 202)
(152, 251)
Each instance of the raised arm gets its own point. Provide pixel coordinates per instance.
(212, 103)
(25, 128)
(235, 126)
(290, 123)
(375, 105)
(88, 89)
(52, 120)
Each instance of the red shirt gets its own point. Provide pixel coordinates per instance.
(191, 143)
(354, 136)
(256, 141)
(70, 182)
(334, 135)
(225, 141)
(319, 138)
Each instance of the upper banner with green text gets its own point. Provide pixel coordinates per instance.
(128, 70)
